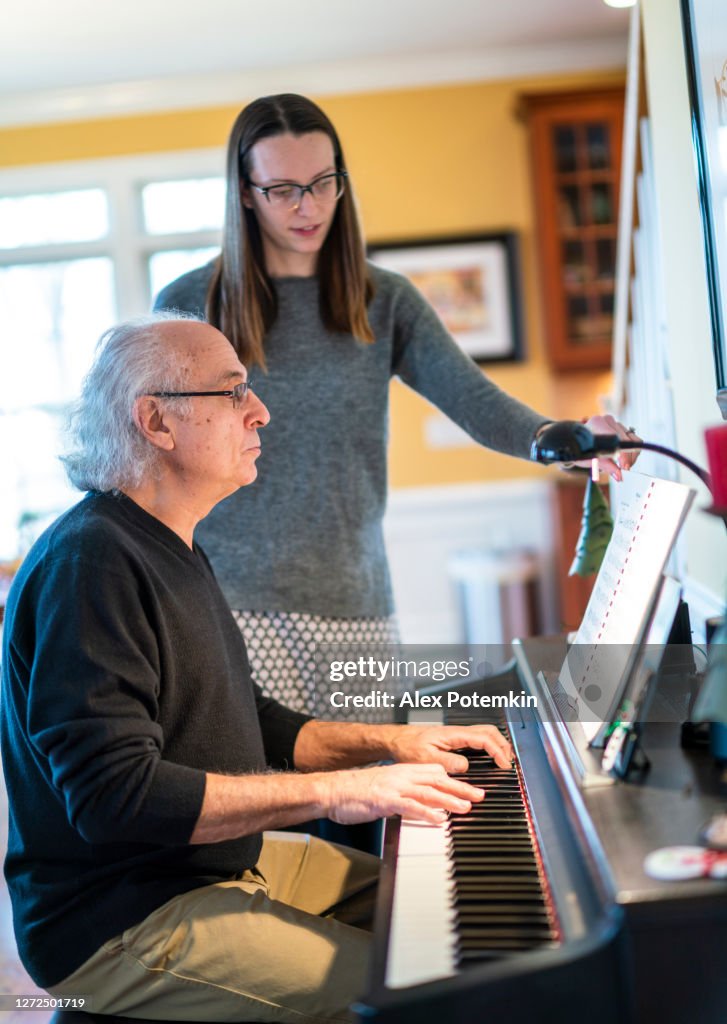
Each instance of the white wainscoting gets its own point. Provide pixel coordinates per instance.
(425, 527)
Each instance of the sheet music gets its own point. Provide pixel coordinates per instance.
(649, 515)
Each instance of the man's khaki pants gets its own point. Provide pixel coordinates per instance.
(279, 943)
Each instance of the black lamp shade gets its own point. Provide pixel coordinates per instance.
(570, 441)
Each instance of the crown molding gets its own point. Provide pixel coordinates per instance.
(145, 96)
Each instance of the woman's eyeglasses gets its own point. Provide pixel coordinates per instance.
(325, 189)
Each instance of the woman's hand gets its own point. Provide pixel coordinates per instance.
(624, 460)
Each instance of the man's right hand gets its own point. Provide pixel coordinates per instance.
(242, 805)
(422, 792)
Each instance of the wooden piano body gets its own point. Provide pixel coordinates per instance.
(629, 948)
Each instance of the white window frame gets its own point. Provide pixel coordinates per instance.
(127, 244)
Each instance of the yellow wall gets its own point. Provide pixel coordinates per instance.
(425, 161)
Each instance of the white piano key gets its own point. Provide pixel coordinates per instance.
(418, 837)
(421, 936)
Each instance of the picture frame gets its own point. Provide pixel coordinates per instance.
(704, 24)
(473, 284)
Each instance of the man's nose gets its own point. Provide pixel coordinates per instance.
(256, 412)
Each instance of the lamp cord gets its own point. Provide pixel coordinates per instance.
(701, 473)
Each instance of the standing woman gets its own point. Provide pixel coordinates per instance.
(301, 555)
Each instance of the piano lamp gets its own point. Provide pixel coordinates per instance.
(570, 441)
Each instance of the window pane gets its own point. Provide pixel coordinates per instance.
(79, 216)
(165, 267)
(564, 149)
(599, 154)
(194, 205)
(50, 317)
(35, 487)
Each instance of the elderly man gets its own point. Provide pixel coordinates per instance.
(143, 764)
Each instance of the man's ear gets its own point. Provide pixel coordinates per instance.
(149, 418)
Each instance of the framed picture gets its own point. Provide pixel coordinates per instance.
(472, 282)
(705, 40)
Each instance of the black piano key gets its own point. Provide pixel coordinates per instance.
(504, 938)
(472, 957)
(523, 911)
(467, 892)
(468, 895)
(512, 850)
(508, 856)
(499, 901)
(536, 920)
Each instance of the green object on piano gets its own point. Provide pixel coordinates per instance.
(596, 530)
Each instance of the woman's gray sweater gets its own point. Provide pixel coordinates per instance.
(307, 535)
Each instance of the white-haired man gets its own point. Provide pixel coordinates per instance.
(143, 764)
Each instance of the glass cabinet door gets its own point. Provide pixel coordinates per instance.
(576, 157)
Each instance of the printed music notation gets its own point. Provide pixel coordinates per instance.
(649, 514)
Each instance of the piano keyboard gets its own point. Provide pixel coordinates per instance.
(510, 912)
(471, 890)
(501, 898)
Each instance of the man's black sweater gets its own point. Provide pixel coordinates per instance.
(124, 679)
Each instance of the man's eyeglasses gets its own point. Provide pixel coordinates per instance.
(238, 394)
(325, 189)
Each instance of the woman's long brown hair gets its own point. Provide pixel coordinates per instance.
(241, 299)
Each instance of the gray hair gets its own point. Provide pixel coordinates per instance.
(107, 451)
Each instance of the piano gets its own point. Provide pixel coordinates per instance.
(535, 906)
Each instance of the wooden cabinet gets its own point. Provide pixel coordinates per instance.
(575, 141)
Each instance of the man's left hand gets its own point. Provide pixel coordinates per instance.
(434, 744)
